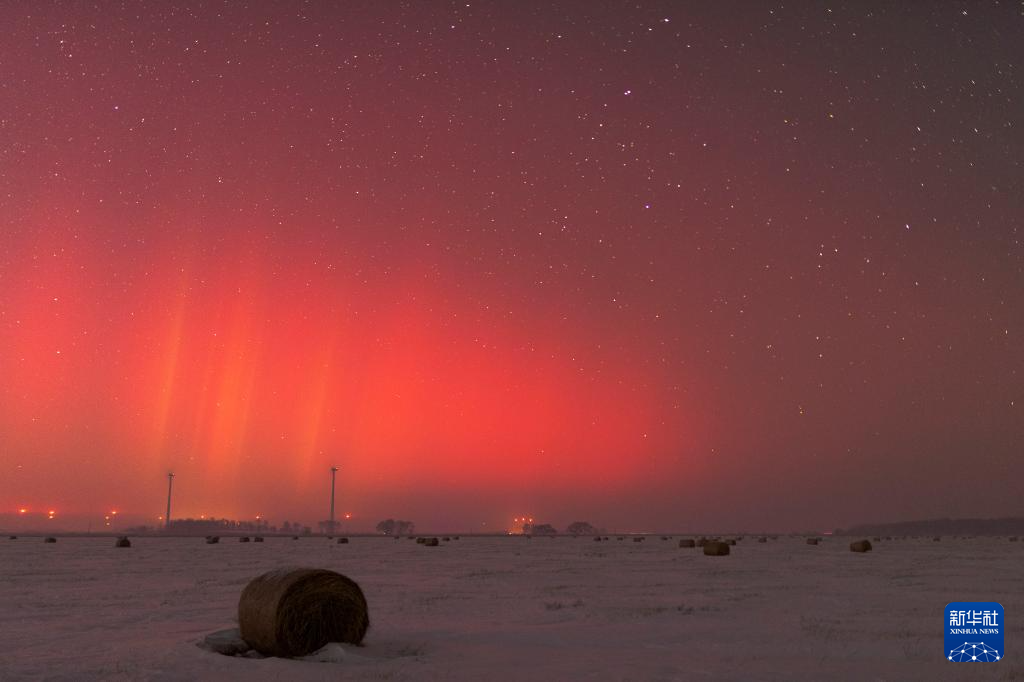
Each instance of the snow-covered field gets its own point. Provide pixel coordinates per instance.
(515, 608)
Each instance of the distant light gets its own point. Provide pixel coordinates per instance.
(114, 512)
(348, 515)
(23, 511)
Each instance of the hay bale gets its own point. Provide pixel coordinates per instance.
(1012, 539)
(50, 540)
(294, 612)
(295, 537)
(123, 541)
(212, 539)
(456, 537)
(812, 541)
(876, 539)
(342, 541)
(715, 548)
(597, 539)
(936, 539)
(860, 546)
(446, 539)
(13, 537)
(687, 543)
(762, 540)
(420, 541)
(258, 538)
(731, 542)
(620, 539)
(430, 542)
(244, 538)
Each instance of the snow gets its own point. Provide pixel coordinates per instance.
(510, 608)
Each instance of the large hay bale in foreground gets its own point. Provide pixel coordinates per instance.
(294, 612)
(212, 539)
(50, 540)
(687, 543)
(715, 548)
(812, 541)
(123, 541)
(860, 546)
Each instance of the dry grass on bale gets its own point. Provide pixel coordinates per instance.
(212, 539)
(123, 541)
(50, 540)
(687, 543)
(294, 612)
(860, 546)
(715, 548)
(342, 541)
(812, 541)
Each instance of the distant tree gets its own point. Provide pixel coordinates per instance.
(396, 527)
(542, 529)
(581, 528)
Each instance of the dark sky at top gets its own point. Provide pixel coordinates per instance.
(647, 264)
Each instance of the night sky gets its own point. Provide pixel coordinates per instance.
(650, 265)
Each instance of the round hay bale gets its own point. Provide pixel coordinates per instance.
(812, 541)
(687, 543)
(762, 540)
(876, 539)
(295, 537)
(936, 539)
(123, 541)
(294, 612)
(860, 546)
(342, 541)
(244, 538)
(13, 537)
(731, 542)
(50, 540)
(430, 542)
(597, 539)
(212, 539)
(456, 537)
(446, 539)
(258, 538)
(715, 548)
(420, 541)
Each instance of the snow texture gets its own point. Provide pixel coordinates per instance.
(512, 609)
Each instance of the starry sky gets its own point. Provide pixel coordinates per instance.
(647, 264)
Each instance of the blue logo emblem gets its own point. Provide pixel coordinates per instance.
(974, 631)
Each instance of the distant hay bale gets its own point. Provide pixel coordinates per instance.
(597, 539)
(13, 537)
(420, 541)
(936, 539)
(294, 612)
(258, 538)
(212, 539)
(244, 538)
(446, 539)
(687, 543)
(664, 538)
(50, 540)
(295, 537)
(812, 541)
(639, 539)
(430, 542)
(342, 541)
(860, 546)
(715, 548)
(123, 541)
(1012, 539)
(456, 537)
(762, 540)
(620, 539)
(876, 539)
